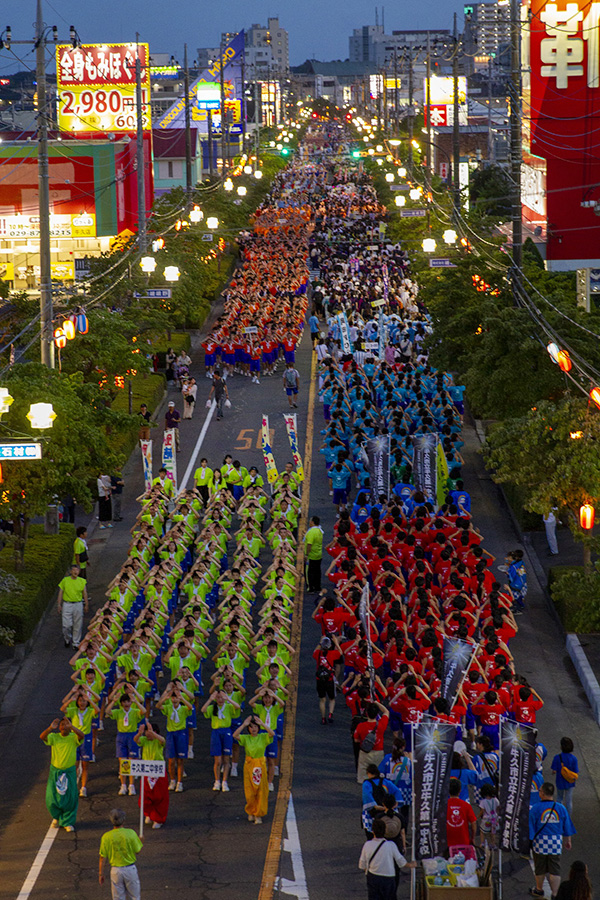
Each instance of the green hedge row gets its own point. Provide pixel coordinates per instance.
(47, 558)
(146, 389)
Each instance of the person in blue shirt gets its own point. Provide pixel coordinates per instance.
(550, 829)
(566, 759)
(517, 578)
(361, 510)
(313, 324)
(374, 788)
(465, 772)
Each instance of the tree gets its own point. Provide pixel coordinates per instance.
(491, 192)
(538, 452)
(75, 450)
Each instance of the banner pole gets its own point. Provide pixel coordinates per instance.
(499, 787)
(413, 872)
(142, 807)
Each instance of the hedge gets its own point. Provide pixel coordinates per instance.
(47, 558)
(148, 389)
(568, 608)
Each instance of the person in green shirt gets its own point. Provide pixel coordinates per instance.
(128, 711)
(313, 549)
(120, 847)
(83, 713)
(61, 790)
(176, 704)
(72, 603)
(220, 709)
(255, 743)
(156, 790)
(80, 551)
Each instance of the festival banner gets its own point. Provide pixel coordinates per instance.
(169, 456)
(457, 659)
(386, 280)
(268, 457)
(291, 424)
(382, 332)
(146, 447)
(442, 475)
(378, 455)
(344, 333)
(364, 614)
(433, 744)
(425, 464)
(517, 768)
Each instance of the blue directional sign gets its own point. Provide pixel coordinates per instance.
(441, 263)
(28, 450)
(409, 213)
(159, 293)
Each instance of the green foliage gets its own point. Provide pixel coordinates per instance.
(490, 192)
(147, 389)
(47, 557)
(577, 598)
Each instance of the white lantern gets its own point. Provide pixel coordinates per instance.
(379, 148)
(258, 174)
(449, 236)
(212, 222)
(400, 200)
(248, 170)
(389, 177)
(429, 245)
(414, 194)
(41, 415)
(196, 215)
(402, 172)
(171, 273)
(5, 401)
(242, 190)
(228, 184)
(148, 264)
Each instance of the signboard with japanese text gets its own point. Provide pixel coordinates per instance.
(61, 226)
(24, 451)
(96, 87)
(135, 768)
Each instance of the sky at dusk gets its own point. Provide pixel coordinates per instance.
(318, 28)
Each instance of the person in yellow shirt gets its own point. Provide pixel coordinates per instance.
(62, 798)
(203, 479)
(120, 847)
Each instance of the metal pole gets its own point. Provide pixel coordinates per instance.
(210, 143)
(490, 141)
(141, 182)
(142, 807)
(413, 872)
(410, 113)
(46, 313)
(188, 124)
(516, 147)
(455, 130)
(396, 90)
(428, 99)
(243, 100)
(222, 77)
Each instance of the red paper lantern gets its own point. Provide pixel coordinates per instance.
(564, 361)
(587, 515)
(595, 396)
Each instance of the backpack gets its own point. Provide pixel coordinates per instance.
(368, 742)
(290, 378)
(378, 788)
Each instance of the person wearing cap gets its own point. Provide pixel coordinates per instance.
(172, 419)
(326, 655)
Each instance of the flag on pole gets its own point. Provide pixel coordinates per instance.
(457, 659)
(517, 768)
(268, 457)
(291, 424)
(146, 447)
(433, 745)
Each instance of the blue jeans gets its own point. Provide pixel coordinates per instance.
(565, 797)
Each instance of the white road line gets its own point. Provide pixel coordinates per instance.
(36, 868)
(298, 887)
(199, 442)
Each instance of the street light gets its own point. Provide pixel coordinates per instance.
(212, 222)
(429, 245)
(171, 273)
(449, 236)
(400, 200)
(147, 264)
(41, 415)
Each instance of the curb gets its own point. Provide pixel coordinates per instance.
(585, 673)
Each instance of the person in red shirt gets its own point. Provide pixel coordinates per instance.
(460, 818)
(410, 703)
(490, 711)
(331, 617)
(326, 656)
(526, 705)
(362, 736)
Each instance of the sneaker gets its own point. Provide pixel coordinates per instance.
(132, 790)
(276, 770)
(295, 405)
(271, 787)
(257, 820)
(101, 726)
(69, 828)
(179, 787)
(323, 721)
(122, 790)
(147, 820)
(190, 753)
(225, 787)
(172, 784)
(83, 791)
(330, 719)
(157, 825)
(217, 786)
(54, 823)
(234, 770)
(67, 643)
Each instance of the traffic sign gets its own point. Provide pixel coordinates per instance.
(408, 213)
(441, 263)
(27, 450)
(207, 237)
(159, 293)
(135, 768)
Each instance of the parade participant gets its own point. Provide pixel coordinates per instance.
(61, 790)
(255, 742)
(156, 790)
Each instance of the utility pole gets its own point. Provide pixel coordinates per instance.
(46, 312)
(188, 124)
(410, 113)
(141, 184)
(210, 143)
(396, 90)
(516, 146)
(456, 129)
(243, 101)
(428, 101)
(222, 75)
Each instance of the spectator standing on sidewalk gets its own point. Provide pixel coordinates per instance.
(172, 419)
(313, 548)
(144, 421)
(80, 551)
(72, 603)
(117, 485)
(218, 392)
(105, 501)
(120, 847)
(566, 770)
(550, 526)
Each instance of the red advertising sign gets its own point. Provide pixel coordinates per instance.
(439, 115)
(99, 64)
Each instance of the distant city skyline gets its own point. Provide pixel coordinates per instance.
(317, 29)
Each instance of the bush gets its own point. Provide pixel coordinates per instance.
(146, 389)
(178, 340)
(576, 597)
(516, 496)
(47, 558)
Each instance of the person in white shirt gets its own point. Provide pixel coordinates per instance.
(378, 859)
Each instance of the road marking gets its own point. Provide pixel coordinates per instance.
(36, 867)
(298, 886)
(271, 867)
(199, 443)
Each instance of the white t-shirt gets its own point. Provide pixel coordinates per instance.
(383, 863)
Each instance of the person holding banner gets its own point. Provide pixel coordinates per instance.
(156, 790)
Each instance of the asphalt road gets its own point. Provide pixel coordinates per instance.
(208, 849)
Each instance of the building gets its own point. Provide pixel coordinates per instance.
(341, 82)
(268, 47)
(370, 44)
(487, 30)
(169, 158)
(362, 43)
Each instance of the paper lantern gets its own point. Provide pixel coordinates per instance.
(564, 361)
(60, 338)
(587, 514)
(41, 415)
(595, 396)
(68, 328)
(553, 349)
(5, 401)
(82, 323)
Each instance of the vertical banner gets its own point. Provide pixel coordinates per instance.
(382, 334)
(425, 464)
(364, 614)
(378, 454)
(344, 333)
(517, 768)
(146, 447)
(433, 744)
(442, 475)
(457, 659)
(291, 424)
(268, 452)
(386, 280)
(169, 456)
